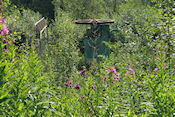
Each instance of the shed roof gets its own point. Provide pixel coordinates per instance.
(93, 21)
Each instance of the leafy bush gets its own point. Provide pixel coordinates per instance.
(21, 26)
(63, 48)
(44, 7)
(134, 35)
(23, 90)
(23, 21)
(80, 9)
(122, 92)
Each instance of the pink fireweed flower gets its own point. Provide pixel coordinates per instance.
(70, 85)
(108, 71)
(131, 69)
(156, 70)
(66, 84)
(4, 30)
(1, 20)
(127, 72)
(7, 42)
(70, 81)
(2, 33)
(5, 20)
(133, 72)
(94, 86)
(83, 72)
(13, 60)
(157, 58)
(105, 78)
(77, 86)
(116, 80)
(164, 65)
(6, 50)
(117, 75)
(67, 79)
(112, 82)
(3, 38)
(113, 70)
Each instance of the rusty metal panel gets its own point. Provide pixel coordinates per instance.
(94, 42)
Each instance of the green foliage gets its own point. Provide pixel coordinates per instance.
(137, 34)
(161, 87)
(81, 9)
(138, 95)
(23, 22)
(21, 26)
(44, 7)
(24, 88)
(136, 80)
(63, 47)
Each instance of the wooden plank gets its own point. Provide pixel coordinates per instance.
(40, 25)
(93, 21)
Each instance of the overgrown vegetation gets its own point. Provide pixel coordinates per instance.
(49, 76)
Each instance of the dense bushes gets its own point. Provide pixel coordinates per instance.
(44, 7)
(23, 21)
(63, 47)
(24, 87)
(21, 26)
(136, 80)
